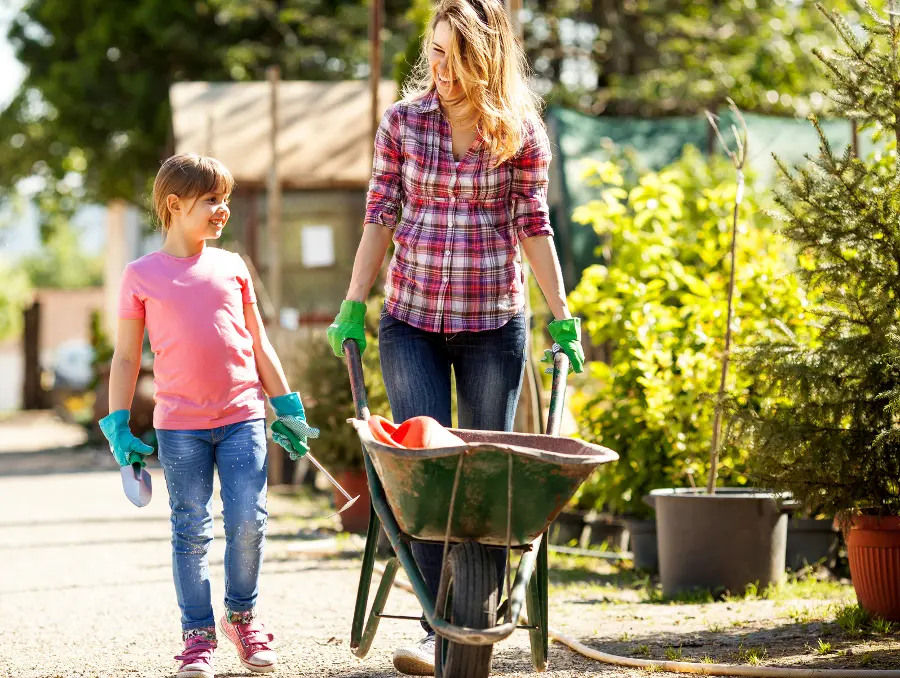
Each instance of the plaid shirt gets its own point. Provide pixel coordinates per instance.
(457, 226)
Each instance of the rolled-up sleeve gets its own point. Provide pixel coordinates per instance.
(385, 188)
(531, 173)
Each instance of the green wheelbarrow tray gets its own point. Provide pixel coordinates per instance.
(537, 474)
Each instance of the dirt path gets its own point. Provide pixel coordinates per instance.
(86, 590)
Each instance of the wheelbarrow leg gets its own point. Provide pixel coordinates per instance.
(365, 582)
(381, 596)
(537, 604)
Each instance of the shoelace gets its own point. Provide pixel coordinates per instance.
(199, 650)
(254, 638)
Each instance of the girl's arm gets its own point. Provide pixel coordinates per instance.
(271, 373)
(541, 254)
(369, 257)
(126, 363)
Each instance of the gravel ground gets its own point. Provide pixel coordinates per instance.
(86, 577)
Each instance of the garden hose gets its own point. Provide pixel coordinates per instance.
(692, 667)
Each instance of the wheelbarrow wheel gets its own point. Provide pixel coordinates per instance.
(467, 597)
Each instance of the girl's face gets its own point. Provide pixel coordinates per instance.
(202, 218)
(437, 60)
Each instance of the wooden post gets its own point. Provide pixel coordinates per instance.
(274, 194)
(273, 251)
(514, 7)
(375, 24)
(32, 392)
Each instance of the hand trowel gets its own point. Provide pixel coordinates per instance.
(137, 483)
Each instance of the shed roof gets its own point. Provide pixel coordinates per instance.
(324, 135)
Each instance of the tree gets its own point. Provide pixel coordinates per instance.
(661, 57)
(828, 431)
(92, 118)
(61, 262)
(659, 305)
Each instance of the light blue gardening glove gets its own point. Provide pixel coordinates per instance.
(348, 324)
(125, 447)
(291, 415)
(567, 335)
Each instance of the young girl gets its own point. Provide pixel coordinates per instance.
(212, 364)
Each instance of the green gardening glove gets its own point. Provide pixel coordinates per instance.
(567, 335)
(290, 430)
(125, 447)
(348, 325)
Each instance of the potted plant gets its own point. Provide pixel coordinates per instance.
(660, 305)
(329, 404)
(829, 431)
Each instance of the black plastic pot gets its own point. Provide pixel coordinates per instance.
(810, 542)
(725, 541)
(609, 530)
(643, 544)
(568, 525)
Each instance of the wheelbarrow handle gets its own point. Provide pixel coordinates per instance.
(357, 383)
(557, 392)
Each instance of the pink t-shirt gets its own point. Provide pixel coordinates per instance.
(204, 369)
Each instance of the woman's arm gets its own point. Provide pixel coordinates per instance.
(541, 254)
(271, 373)
(369, 257)
(126, 363)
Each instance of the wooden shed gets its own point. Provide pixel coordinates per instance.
(324, 151)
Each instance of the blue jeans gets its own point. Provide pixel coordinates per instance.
(488, 367)
(187, 457)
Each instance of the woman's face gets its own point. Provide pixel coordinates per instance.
(437, 59)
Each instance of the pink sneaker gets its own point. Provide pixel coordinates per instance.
(251, 641)
(196, 661)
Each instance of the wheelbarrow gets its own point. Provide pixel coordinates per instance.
(499, 489)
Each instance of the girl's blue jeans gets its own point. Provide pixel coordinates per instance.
(238, 451)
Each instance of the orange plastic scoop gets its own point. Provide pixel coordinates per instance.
(418, 433)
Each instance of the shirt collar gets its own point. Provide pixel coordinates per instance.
(429, 102)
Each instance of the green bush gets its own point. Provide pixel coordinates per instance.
(660, 308)
(329, 402)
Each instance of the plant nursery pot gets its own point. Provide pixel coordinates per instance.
(811, 541)
(568, 526)
(609, 530)
(356, 518)
(643, 544)
(728, 540)
(873, 549)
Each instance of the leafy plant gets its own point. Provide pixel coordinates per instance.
(828, 431)
(329, 401)
(659, 306)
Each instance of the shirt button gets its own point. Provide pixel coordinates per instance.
(446, 251)
(446, 278)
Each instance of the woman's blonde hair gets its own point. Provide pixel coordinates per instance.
(488, 61)
(188, 175)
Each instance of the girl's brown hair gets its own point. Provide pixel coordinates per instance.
(485, 56)
(188, 175)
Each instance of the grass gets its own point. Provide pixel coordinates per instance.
(823, 647)
(674, 654)
(855, 621)
(642, 650)
(752, 655)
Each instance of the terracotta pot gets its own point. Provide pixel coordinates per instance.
(356, 518)
(873, 548)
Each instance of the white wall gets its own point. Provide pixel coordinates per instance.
(12, 370)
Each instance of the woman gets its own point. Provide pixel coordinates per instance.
(459, 181)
